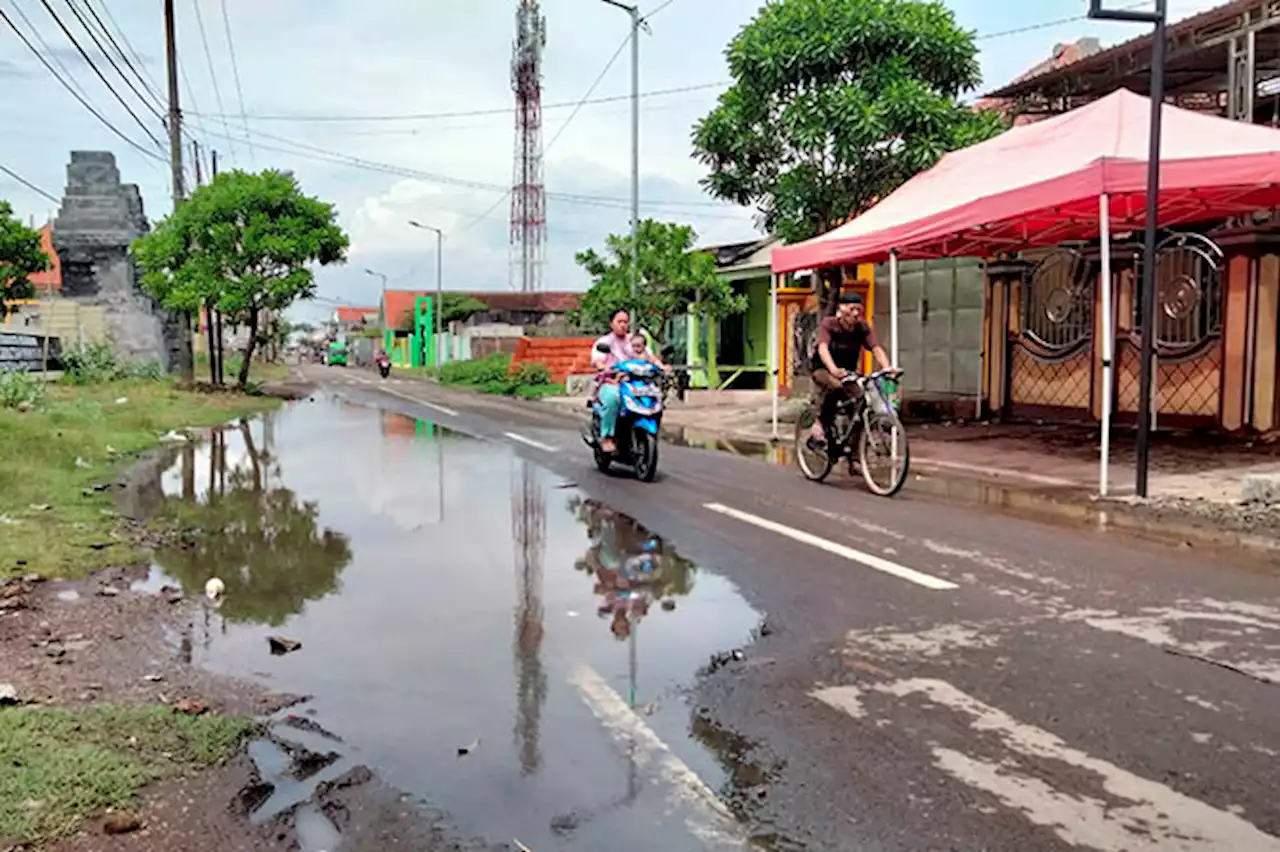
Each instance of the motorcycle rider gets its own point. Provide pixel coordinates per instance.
(841, 341)
(618, 343)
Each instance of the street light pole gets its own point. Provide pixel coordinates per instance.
(634, 12)
(1157, 19)
(439, 309)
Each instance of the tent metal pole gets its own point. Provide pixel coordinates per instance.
(893, 307)
(774, 372)
(1108, 341)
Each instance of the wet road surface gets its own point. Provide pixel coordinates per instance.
(930, 676)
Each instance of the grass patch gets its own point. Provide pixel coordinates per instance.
(259, 372)
(62, 767)
(496, 375)
(39, 450)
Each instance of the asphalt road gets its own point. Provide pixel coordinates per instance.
(939, 676)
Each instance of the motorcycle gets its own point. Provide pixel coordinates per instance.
(384, 365)
(636, 433)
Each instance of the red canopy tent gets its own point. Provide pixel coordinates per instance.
(1073, 177)
(1039, 185)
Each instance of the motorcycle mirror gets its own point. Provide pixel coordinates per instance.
(603, 347)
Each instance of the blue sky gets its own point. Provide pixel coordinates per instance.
(327, 58)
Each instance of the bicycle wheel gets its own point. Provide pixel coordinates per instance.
(883, 443)
(814, 461)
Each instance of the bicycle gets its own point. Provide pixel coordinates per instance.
(870, 412)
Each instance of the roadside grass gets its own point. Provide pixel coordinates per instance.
(79, 436)
(495, 374)
(63, 766)
(259, 373)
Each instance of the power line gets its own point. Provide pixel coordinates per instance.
(235, 71)
(28, 184)
(474, 113)
(83, 102)
(1044, 25)
(153, 86)
(111, 60)
(96, 70)
(213, 76)
(137, 72)
(49, 51)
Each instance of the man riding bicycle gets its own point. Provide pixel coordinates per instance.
(841, 341)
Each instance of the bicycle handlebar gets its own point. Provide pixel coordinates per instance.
(878, 374)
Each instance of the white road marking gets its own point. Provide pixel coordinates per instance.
(529, 442)
(902, 572)
(1156, 818)
(997, 472)
(708, 818)
(381, 385)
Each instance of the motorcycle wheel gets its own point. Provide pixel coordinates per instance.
(644, 452)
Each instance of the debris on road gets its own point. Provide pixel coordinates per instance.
(214, 589)
(189, 707)
(280, 645)
(122, 822)
(9, 695)
(463, 751)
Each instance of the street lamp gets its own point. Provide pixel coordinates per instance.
(634, 12)
(439, 309)
(1157, 19)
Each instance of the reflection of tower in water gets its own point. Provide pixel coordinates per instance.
(529, 533)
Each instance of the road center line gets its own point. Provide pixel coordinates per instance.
(708, 818)
(529, 442)
(902, 572)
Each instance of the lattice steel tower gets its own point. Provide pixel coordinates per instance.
(528, 194)
(529, 532)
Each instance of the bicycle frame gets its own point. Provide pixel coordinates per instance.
(867, 397)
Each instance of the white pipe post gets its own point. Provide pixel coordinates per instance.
(1108, 340)
(773, 349)
(893, 307)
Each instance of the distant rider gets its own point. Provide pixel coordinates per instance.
(618, 341)
(841, 341)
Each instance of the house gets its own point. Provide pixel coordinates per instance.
(521, 309)
(1063, 55)
(347, 318)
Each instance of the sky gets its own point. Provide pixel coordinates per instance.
(325, 59)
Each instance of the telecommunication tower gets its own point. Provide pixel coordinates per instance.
(528, 193)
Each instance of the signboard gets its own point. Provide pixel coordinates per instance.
(26, 352)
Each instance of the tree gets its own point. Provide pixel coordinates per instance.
(243, 243)
(674, 279)
(835, 103)
(20, 257)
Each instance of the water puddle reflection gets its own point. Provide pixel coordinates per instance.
(442, 591)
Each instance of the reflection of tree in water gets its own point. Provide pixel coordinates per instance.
(618, 544)
(258, 539)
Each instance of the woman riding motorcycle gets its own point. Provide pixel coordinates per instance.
(614, 348)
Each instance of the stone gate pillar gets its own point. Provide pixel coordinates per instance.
(98, 220)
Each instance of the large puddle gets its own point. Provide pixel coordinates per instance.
(450, 597)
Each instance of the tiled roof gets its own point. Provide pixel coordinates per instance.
(1063, 55)
(347, 313)
(49, 281)
(546, 302)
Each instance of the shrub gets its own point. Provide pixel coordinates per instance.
(494, 368)
(530, 373)
(92, 363)
(20, 389)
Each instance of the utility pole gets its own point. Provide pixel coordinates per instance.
(438, 312)
(186, 358)
(1147, 332)
(216, 318)
(208, 305)
(636, 21)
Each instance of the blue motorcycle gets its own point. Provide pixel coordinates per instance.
(636, 434)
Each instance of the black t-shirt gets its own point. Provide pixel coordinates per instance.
(846, 344)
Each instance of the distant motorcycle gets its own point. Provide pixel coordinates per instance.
(384, 365)
(636, 434)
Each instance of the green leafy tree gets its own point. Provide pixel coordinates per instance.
(835, 103)
(674, 279)
(20, 257)
(243, 243)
